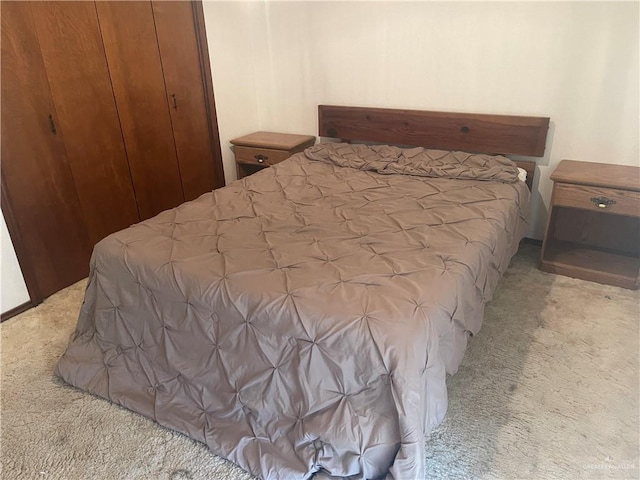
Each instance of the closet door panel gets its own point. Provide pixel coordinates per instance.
(180, 56)
(40, 191)
(131, 48)
(76, 67)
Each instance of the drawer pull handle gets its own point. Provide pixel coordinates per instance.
(603, 202)
(261, 158)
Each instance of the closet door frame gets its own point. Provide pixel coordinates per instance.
(41, 202)
(25, 260)
(205, 68)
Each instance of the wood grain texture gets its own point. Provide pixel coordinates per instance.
(580, 196)
(76, 66)
(623, 177)
(495, 134)
(178, 44)
(262, 149)
(278, 141)
(616, 233)
(588, 263)
(584, 241)
(35, 171)
(133, 58)
(254, 155)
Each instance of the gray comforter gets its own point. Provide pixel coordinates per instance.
(301, 321)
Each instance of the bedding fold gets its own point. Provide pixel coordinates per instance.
(385, 159)
(301, 322)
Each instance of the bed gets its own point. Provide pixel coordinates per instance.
(301, 321)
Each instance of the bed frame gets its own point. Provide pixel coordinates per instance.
(469, 132)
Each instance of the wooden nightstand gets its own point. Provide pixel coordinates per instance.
(259, 150)
(593, 231)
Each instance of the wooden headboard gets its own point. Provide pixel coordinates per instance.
(469, 132)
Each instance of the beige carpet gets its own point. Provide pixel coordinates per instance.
(548, 389)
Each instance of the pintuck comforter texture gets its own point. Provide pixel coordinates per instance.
(301, 321)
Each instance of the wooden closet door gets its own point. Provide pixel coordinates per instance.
(196, 136)
(76, 66)
(43, 211)
(131, 47)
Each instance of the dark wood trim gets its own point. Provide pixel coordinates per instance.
(16, 311)
(469, 132)
(530, 168)
(27, 268)
(497, 134)
(28, 273)
(203, 52)
(608, 175)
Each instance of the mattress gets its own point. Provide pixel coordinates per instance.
(301, 321)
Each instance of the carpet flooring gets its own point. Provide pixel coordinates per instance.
(547, 390)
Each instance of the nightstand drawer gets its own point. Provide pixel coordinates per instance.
(260, 156)
(260, 150)
(593, 230)
(607, 200)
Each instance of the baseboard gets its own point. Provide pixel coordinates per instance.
(16, 310)
(532, 241)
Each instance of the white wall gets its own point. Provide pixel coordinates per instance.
(13, 291)
(233, 49)
(274, 62)
(576, 62)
